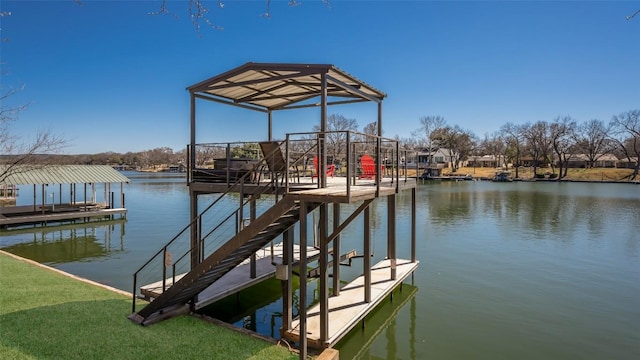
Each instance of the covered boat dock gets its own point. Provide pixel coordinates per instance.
(57, 198)
(303, 180)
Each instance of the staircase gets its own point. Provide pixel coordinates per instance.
(283, 215)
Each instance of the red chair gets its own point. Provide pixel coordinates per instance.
(368, 166)
(331, 168)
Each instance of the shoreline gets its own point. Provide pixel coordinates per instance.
(593, 175)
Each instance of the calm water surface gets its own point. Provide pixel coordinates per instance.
(507, 270)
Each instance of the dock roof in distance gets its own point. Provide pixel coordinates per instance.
(273, 86)
(61, 174)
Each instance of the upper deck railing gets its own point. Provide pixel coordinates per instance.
(351, 159)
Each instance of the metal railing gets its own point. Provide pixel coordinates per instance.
(223, 217)
(345, 149)
(223, 225)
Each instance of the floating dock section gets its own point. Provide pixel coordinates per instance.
(236, 280)
(348, 308)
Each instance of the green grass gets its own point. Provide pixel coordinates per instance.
(46, 315)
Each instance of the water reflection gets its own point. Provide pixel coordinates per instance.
(244, 308)
(534, 211)
(507, 270)
(381, 332)
(67, 243)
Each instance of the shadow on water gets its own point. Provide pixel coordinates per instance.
(257, 308)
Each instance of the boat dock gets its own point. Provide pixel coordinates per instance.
(59, 198)
(349, 307)
(308, 176)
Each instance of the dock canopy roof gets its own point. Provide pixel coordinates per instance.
(59, 174)
(271, 86)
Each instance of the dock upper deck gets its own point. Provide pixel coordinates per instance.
(339, 188)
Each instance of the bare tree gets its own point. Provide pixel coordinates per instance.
(336, 139)
(626, 133)
(494, 144)
(514, 138)
(561, 134)
(429, 125)
(592, 139)
(459, 142)
(371, 128)
(199, 11)
(371, 132)
(20, 155)
(406, 144)
(539, 144)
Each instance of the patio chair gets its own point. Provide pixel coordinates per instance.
(275, 162)
(331, 169)
(368, 166)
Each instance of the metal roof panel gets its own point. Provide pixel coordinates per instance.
(274, 86)
(61, 174)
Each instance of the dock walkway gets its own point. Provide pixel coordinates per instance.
(348, 308)
(8, 219)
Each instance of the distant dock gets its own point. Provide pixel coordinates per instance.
(16, 216)
(79, 203)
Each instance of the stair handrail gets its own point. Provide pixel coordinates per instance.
(173, 274)
(197, 219)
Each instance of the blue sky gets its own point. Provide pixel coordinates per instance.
(110, 77)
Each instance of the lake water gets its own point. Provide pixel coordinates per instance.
(507, 270)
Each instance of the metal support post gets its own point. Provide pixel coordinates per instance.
(322, 167)
(252, 217)
(413, 224)
(195, 244)
(367, 255)
(336, 250)
(391, 233)
(287, 285)
(324, 276)
(302, 304)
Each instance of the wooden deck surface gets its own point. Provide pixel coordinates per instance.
(237, 279)
(348, 308)
(57, 216)
(307, 188)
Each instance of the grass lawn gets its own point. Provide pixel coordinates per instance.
(46, 315)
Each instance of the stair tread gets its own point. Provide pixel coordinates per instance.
(186, 291)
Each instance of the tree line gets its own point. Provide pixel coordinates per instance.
(544, 143)
(146, 159)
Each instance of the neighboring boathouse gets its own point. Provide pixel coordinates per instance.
(229, 243)
(63, 193)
